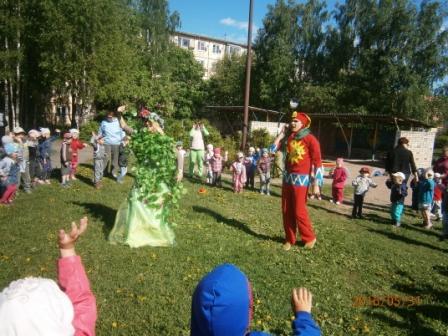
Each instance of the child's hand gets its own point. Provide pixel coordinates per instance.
(67, 241)
(301, 300)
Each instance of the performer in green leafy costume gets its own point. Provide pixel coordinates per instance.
(143, 219)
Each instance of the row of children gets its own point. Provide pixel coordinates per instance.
(25, 160)
(243, 168)
(222, 302)
(429, 194)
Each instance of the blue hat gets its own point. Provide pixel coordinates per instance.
(11, 148)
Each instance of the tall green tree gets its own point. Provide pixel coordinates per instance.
(275, 48)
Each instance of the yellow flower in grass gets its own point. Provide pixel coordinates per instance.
(114, 324)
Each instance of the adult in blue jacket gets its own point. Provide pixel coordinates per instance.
(111, 131)
(222, 306)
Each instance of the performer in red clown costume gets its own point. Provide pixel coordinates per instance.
(301, 153)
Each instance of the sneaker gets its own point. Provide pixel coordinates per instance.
(428, 226)
(286, 246)
(337, 203)
(397, 224)
(361, 217)
(331, 201)
(98, 185)
(47, 182)
(28, 191)
(268, 194)
(310, 244)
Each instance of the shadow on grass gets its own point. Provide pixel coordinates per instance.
(430, 306)
(101, 212)
(236, 224)
(315, 205)
(395, 236)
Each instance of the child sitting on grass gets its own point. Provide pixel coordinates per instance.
(362, 184)
(425, 195)
(222, 304)
(38, 306)
(398, 192)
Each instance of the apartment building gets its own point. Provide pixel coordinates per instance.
(207, 50)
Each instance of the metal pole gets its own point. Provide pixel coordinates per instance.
(248, 67)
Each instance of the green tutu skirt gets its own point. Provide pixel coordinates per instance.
(138, 224)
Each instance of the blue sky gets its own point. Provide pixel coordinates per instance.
(224, 19)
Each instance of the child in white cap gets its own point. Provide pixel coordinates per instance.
(39, 307)
(33, 154)
(398, 192)
(22, 159)
(45, 152)
(239, 173)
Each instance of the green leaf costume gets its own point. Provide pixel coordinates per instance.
(143, 218)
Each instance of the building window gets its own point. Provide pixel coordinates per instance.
(184, 42)
(216, 49)
(201, 46)
(234, 50)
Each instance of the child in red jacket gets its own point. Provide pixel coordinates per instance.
(339, 176)
(38, 306)
(75, 145)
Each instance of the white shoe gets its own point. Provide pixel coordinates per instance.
(331, 201)
(337, 203)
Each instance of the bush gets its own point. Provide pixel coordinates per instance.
(441, 140)
(85, 132)
(261, 138)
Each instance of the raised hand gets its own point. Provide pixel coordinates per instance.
(67, 240)
(301, 300)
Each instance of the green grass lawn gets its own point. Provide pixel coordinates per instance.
(147, 291)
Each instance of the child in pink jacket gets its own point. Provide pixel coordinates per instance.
(239, 173)
(339, 177)
(39, 307)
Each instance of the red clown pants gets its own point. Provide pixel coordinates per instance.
(295, 213)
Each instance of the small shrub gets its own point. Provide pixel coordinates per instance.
(261, 138)
(85, 132)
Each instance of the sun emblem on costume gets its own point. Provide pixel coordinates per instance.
(296, 151)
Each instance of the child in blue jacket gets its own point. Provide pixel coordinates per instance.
(222, 306)
(425, 197)
(398, 192)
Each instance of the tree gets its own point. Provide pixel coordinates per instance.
(275, 70)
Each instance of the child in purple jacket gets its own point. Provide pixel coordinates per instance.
(339, 176)
(37, 306)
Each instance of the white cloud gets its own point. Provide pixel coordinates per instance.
(237, 24)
